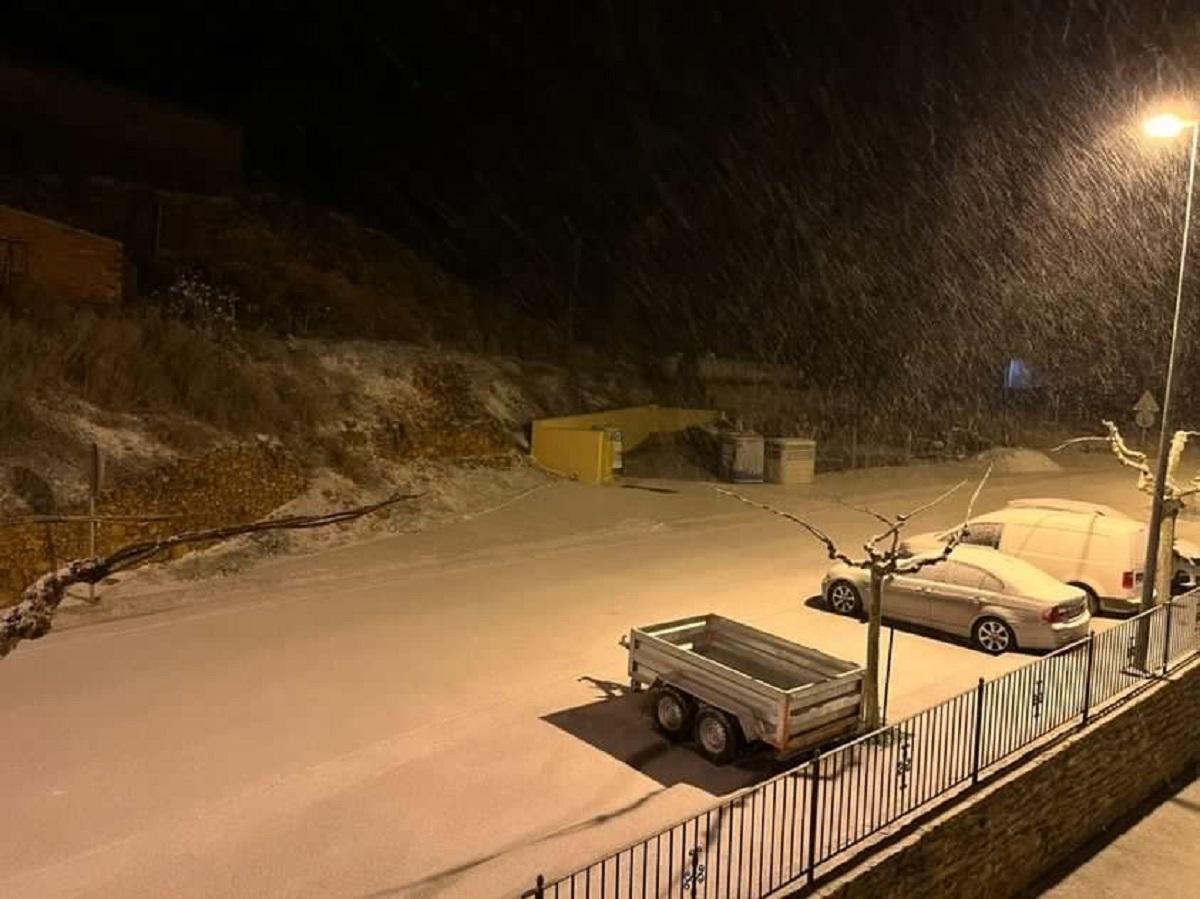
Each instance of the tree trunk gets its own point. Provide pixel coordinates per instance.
(874, 626)
(1166, 554)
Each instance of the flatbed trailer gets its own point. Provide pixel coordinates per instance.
(728, 685)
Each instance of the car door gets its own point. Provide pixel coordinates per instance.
(906, 597)
(962, 592)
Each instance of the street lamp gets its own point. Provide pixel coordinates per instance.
(1165, 126)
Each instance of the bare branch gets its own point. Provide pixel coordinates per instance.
(863, 509)
(1178, 445)
(917, 562)
(830, 546)
(33, 616)
(1096, 439)
(894, 530)
(1128, 457)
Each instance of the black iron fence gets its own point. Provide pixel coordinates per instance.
(783, 830)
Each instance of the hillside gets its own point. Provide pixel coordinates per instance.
(292, 424)
(287, 267)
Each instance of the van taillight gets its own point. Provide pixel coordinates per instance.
(1127, 580)
(1054, 615)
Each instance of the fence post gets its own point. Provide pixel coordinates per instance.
(538, 891)
(814, 793)
(93, 492)
(1087, 680)
(1167, 636)
(978, 749)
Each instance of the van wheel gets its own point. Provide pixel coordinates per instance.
(993, 636)
(718, 736)
(1093, 601)
(674, 712)
(843, 597)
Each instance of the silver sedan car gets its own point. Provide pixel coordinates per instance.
(996, 601)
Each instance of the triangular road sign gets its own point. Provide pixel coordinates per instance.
(1146, 403)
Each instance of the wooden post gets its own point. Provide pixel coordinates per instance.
(93, 493)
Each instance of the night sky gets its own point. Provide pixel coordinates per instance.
(493, 129)
(702, 167)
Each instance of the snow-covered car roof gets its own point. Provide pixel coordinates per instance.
(1041, 515)
(1067, 505)
(1184, 547)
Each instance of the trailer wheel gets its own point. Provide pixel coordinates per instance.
(718, 737)
(673, 710)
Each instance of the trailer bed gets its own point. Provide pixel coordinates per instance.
(789, 696)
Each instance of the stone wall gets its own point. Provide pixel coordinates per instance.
(1002, 840)
(227, 485)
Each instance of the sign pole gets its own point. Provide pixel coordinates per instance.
(1146, 410)
(887, 680)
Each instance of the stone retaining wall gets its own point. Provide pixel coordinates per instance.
(227, 485)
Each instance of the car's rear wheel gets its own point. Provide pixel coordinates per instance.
(718, 736)
(674, 711)
(993, 636)
(843, 597)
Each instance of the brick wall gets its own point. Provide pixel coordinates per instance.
(1003, 839)
(228, 485)
(67, 263)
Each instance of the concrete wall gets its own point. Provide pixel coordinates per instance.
(1002, 840)
(228, 485)
(67, 263)
(571, 446)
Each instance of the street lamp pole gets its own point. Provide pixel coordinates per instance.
(1167, 126)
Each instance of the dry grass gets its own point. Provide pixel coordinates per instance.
(138, 361)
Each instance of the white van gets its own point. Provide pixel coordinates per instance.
(1101, 553)
(1187, 553)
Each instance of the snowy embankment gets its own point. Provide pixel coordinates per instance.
(448, 426)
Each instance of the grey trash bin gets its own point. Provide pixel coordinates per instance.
(742, 457)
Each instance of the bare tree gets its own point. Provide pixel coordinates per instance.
(882, 563)
(1174, 492)
(33, 616)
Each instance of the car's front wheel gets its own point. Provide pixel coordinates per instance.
(993, 636)
(843, 597)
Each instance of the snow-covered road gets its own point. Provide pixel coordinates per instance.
(427, 714)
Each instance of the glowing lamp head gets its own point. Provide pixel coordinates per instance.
(1166, 125)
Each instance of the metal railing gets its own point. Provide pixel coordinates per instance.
(786, 828)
